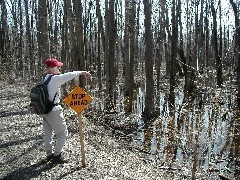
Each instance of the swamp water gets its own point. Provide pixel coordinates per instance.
(199, 139)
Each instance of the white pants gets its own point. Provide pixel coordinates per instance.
(54, 122)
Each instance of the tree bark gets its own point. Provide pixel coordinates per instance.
(126, 56)
(132, 53)
(174, 41)
(237, 46)
(72, 40)
(111, 51)
(79, 39)
(215, 46)
(20, 71)
(4, 39)
(129, 49)
(29, 52)
(149, 99)
(42, 35)
(100, 37)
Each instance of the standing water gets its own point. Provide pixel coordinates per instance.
(190, 139)
(196, 142)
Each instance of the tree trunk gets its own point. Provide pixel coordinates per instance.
(207, 35)
(111, 51)
(149, 99)
(137, 56)
(79, 39)
(126, 56)
(100, 24)
(20, 69)
(196, 39)
(72, 41)
(215, 46)
(132, 53)
(166, 38)
(29, 53)
(4, 39)
(106, 57)
(129, 46)
(201, 38)
(174, 41)
(237, 46)
(64, 30)
(56, 31)
(42, 35)
(100, 35)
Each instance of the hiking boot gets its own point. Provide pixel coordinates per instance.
(59, 159)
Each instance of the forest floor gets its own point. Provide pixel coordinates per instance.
(22, 148)
(107, 156)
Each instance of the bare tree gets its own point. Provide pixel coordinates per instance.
(207, 37)
(100, 37)
(110, 61)
(215, 45)
(4, 38)
(70, 31)
(64, 30)
(29, 50)
(129, 48)
(54, 16)
(174, 41)
(237, 44)
(149, 99)
(20, 44)
(42, 34)
(86, 45)
(126, 64)
(132, 53)
(79, 38)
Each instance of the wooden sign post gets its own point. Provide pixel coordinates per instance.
(78, 100)
(80, 131)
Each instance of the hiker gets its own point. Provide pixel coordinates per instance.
(54, 121)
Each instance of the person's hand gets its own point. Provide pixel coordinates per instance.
(87, 75)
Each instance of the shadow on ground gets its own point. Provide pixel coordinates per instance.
(28, 172)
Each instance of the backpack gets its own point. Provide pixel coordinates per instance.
(40, 104)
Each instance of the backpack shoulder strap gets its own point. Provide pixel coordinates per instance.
(48, 79)
(54, 97)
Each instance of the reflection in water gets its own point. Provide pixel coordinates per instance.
(235, 148)
(196, 139)
(201, 139)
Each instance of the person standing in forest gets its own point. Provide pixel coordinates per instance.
(54, 121)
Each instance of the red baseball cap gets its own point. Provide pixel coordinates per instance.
(51, 62)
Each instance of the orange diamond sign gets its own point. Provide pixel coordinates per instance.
(78, 99)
